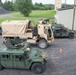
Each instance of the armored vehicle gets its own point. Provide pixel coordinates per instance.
(41, 34)
(61, 31)
(23, 58)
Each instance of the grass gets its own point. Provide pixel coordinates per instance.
(43, 14)
(75, 33)
(38, 14)
(34, 15)
(3, 19)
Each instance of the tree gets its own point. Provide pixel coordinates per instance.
(67, 5)
(24, 6)
(1, 4)
(40, 6)
(0, 1)
(8, 6)
(36, 4)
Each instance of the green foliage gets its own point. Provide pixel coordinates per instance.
(34, 16)
(67, 5)
(24, 6)
(49, 6)
(8, 6)
(40, 6)
(1, 4)
(15, 6)
(75, 33)
(37, 14)
(7, 18)
(42, 14)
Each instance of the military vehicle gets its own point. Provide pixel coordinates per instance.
(61, 31)
(21, 30)
(23, 57)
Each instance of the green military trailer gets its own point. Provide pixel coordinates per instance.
(23, 58)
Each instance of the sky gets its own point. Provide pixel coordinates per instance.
(49, 1)
(53, 1)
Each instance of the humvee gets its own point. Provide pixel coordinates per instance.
(23, 58)
(60, 31)
(41, 34)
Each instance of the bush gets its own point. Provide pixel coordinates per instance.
(24, 6)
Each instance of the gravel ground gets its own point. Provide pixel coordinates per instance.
(57, 64)
(4, 13)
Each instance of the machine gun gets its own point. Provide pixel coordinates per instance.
(44, 21)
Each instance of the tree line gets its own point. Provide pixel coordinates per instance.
(12, 6)
(25, 6)
(40, 6)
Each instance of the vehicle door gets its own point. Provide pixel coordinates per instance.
(18, 61)
(6, 60)
(47, 31)
(57, 33)
(64, 32)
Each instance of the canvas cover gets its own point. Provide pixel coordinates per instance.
(14, 28)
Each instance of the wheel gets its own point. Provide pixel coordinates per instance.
(42, 44)
(1, 67)
(71, 36)
(38, 68)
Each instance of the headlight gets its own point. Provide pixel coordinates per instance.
(44, 55)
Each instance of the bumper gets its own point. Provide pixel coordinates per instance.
(49, 42)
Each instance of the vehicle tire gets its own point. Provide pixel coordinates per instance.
(38, 68)
(71, 36)
(42, 44)
(1, 67)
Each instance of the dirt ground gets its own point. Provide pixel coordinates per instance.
(57, 64)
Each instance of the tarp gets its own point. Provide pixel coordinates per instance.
(14, 27)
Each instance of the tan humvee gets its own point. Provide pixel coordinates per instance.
(40, 34)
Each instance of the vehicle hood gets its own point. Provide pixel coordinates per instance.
(36, 53)
(70, 31)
